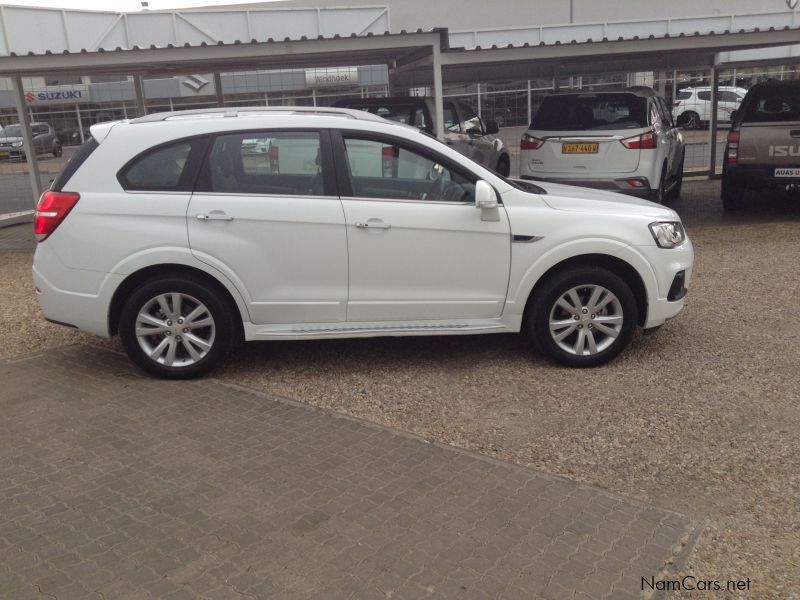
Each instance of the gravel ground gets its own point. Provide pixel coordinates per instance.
(701, 417)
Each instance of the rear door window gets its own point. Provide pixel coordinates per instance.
(591, 112)
(285, 163)
(773, 104)
(164, 168)
(705, 95)
(683, 95)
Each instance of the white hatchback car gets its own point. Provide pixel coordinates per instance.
(174, 231)
(692, 105)
(623, 141)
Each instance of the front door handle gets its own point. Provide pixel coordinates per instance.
(214, 215)
(373, 224)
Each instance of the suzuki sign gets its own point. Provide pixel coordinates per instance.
(73, 94)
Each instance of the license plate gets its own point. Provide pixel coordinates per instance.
(4, 154)
(579, 148)
(787, 172)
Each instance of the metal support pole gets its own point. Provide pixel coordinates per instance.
(712, 124)
(392, 77)
(479, 101)
(138, 88)
(218, 89)
(530, 116)
(27, 139)
(80, 123)
(124, 110)
(314, 96)
(438, 101)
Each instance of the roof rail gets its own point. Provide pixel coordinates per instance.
(256, 111)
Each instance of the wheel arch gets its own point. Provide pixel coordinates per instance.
(618, 266)
(169, 269)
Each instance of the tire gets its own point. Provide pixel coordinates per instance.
(659, 194)
(732, 193)
(675, 192)
(689, 120)
(152, 306)
(57, 150)
(503, 166)
(557, 331)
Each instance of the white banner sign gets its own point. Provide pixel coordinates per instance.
(331, 77)
(62, 94)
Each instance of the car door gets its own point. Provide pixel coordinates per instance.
(265, 212)
(39, 133)
(674, 147)
(418, 247)
(454, 135)
(481, 148)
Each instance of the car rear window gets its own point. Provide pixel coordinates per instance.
(73, 164)
(595, 112)
(771, 104)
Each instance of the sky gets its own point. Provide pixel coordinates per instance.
(125, 5)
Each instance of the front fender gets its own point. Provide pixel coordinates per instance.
(572, 249)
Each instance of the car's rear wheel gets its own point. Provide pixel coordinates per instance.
(689, 120)
(732, 193)
(176, 327)
(660, 193)
(503, 166)
(583, 317)
(57, 150)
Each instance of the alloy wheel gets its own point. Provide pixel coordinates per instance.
(586, 320)
(175, 329)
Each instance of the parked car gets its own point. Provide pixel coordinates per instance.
(692, 106)
(464, 129)
(160, 229)
(44, 141)
(623, 140)
(763, 148)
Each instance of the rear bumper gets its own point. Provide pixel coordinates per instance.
(611, 185)
(758, 176)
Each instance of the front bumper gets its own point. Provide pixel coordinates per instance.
(611, 185)
(6, 152)
(673, 269)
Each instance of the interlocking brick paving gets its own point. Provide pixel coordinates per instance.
(115, 485)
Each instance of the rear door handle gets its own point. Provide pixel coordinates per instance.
(373, 224)
(214, 216)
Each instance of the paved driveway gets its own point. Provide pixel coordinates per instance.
(122, 486)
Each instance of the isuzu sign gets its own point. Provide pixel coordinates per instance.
(59, 95)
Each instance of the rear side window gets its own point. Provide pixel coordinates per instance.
(773, 104)
(73, 164)
(285, 163)
(164, 168)
(704, 96)
(597, 112)
(683, 95)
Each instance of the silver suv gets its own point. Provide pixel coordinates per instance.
(763, 149)
(44, 141)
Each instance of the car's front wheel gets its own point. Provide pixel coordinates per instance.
(57, 150)
(176, 327)
(583, 316)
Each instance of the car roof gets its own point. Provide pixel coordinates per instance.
(256, 111)
(638, 90)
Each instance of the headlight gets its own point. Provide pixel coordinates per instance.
(17, 144)
(668, 234)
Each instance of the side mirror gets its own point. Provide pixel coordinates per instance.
(492, 127)
(485, 196)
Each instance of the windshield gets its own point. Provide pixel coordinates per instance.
(591, 112)
(12, 131)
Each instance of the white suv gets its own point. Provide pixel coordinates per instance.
(180, 233)
(623, 140)
(692, 105)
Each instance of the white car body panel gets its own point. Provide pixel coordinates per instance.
(300, 267)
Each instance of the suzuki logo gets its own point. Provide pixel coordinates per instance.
(30, 97)
(791, 3)
(196, 82)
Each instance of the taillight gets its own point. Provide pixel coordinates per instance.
(645, 141)
(528, 142)
(676, 103)
(732, 149)
(51, 210)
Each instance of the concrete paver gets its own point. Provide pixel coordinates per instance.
(114, 483)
